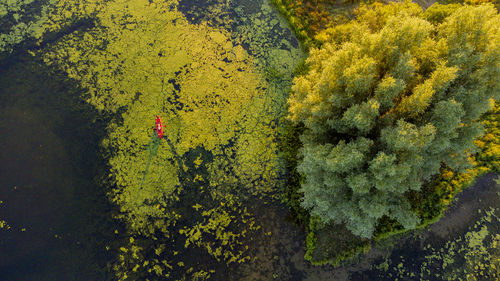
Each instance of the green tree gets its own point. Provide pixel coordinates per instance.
(389, 99)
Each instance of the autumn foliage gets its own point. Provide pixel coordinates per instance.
(307, 17)
(390, 99)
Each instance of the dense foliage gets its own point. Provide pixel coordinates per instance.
(391, 98)
(306, 17)
(489, 144)
(309, 17)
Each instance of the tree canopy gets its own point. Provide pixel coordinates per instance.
(389, 99)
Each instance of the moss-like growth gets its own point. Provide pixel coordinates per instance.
(332, 244)
(221, 93)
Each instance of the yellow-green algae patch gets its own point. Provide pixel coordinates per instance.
(472, 256)
(15, 28)
(144, 59)
(23, 20)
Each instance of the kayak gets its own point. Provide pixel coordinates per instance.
(159, 127)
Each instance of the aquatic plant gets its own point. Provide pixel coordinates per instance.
(220, 115)
(470, 255)
(18, 25)
(31, 22)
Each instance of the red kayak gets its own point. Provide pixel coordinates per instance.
(159, 127)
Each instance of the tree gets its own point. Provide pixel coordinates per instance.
(389, 99)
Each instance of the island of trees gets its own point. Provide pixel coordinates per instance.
(388, 107)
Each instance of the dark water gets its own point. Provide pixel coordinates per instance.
(279, 256)
(465, 216)
(59, 218)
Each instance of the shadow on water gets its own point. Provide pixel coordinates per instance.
(279, 251)
(58, 214)
(408, 256)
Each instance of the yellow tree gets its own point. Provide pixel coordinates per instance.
(389, 98)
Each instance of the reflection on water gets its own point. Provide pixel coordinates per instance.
(48, 160)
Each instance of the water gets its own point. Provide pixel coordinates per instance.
(450, 249)
(59, 218)
(55, 205)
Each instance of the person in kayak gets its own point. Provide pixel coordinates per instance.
(158, 129)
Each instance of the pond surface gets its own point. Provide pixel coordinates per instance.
(222, 98)
(448, 250)
(56, 216)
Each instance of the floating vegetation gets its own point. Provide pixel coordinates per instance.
(473, 255)
(464, 247)
(218, 73)
(152, 149)
(17, 24)
(220, 114)
(3, 224)
(29, 21)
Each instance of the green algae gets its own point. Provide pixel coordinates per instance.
(471, 255)
(220, 92)
(17, 26)
(33, 23)
(152, 148)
